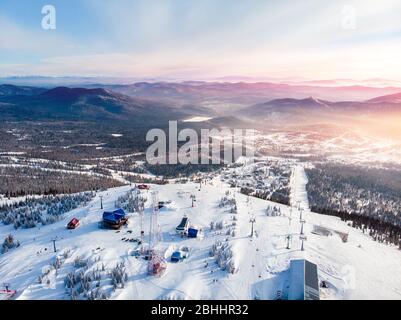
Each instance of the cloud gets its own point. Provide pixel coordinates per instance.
(315, 64)
(198, 39)
(16, 38)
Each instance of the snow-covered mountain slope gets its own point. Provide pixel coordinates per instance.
(357, 269)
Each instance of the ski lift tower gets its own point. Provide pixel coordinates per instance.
(302, 227)
(302, 238)
(252, 221)
(140, 211)
(289, 235)
(54, 239)
(193, 198)
(289, 238)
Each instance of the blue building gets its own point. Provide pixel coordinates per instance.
(114, 219)
(304, 281)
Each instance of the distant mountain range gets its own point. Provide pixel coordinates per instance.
(287, 107)
(243, 90)
(247, 93)
(9, 90)
(73, 104)
(154, 103)
(392, 98)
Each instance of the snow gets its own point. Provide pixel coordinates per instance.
(348, 147)
(118, 157)
(357, 269)
(13, 153)
(197, 119)
(9, 201)
(97, 145)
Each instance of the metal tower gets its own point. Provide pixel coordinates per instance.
(252, 221)
(302, 226)
(302, 238)
(157, 264)
(154, 230)
(289, 238)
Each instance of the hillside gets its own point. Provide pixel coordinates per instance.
(392, 98)
(357, 269)
(73, 104)
(311, 109)
(11, 90)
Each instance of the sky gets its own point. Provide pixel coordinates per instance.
(201, 39)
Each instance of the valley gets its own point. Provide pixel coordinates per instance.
(316, 189)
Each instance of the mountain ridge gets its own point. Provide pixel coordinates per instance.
(64, 103)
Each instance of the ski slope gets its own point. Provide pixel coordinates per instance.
(357, 269)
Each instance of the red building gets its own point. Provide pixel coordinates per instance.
(74, 223)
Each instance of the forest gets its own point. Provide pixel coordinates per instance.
(45, 210)
(180, 170)
(21, 181)
(368, 197)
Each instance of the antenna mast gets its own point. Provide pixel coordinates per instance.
(154, 234)
(157, 264)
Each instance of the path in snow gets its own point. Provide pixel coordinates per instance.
(263, 260)
(357, 269)
(298, 195)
